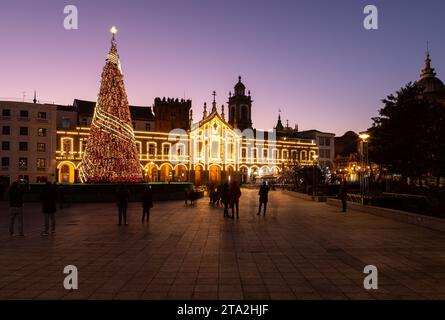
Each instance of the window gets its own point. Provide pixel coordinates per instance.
(66, 123)
(23, 146)
(166, 149)
(274, 154)
(152, 149)
(243, 153)
(23, 131)
(328, 141)
(83, 145)
(41, 115)
(67, 145)
(5, 145)
(6, 130)
(265, 153)
(41, 132)
(41, 163)
(285, 154)
(321, 141)
(243, 113)
(147, 126)
(5, 162)
(255, 153)
(6, 113)
(321, 153)
(24, 114)
(327, 153)
(41, 147)
(23, 163)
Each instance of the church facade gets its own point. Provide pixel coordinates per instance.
(174, 148)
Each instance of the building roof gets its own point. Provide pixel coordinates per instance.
(137, 112)
(68, 108)
(5, 103)
(315, 131)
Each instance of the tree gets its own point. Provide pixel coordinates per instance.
(405, 137)
(111, 154)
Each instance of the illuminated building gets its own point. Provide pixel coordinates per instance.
(209, 150)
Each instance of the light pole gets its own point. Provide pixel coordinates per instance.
(314, 176)
(364, 138)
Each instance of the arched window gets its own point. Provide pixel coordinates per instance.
(244, 113)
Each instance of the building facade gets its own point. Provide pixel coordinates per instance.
(178, 149)
(28, 141)
(326, 146)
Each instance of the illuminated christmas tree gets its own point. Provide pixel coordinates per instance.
(111, 154)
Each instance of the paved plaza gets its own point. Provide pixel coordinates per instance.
(299, 250)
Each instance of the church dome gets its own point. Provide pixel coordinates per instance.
(240, 85)
(428, 78)
(432, 84)
(240, 88)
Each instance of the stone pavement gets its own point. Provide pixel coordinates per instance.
(299, 250)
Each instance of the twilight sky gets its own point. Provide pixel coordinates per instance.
(312, 59)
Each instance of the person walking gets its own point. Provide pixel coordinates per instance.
(147, 203)
(48, 198)
(122, 195)
(225, 198)
(343, 195)
(264, 198)
(235, 194)
(15, 208)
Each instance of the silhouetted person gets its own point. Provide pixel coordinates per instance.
(186, 196)
(147, 203)
(264, 198)
(235, 194)
(343, 195)
(225, 198)
(122, 195)
(218, 195)
(48, 198)
(15, 208)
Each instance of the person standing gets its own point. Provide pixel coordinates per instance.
(343, 195)
(225, 198)
(147, 203)
(48, 198)
(122, 196)
(15, 208)
(235, 194)
(264, 198)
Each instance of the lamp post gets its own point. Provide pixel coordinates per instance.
(364, 138)
(314, 176)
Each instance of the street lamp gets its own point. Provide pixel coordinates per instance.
(314, 176)
(364, 138)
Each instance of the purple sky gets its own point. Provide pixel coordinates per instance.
(311, 59)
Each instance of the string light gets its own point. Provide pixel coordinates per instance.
(111, 153)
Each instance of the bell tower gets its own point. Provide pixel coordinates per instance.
(240, 107)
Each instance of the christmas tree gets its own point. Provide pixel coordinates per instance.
(111, 154)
